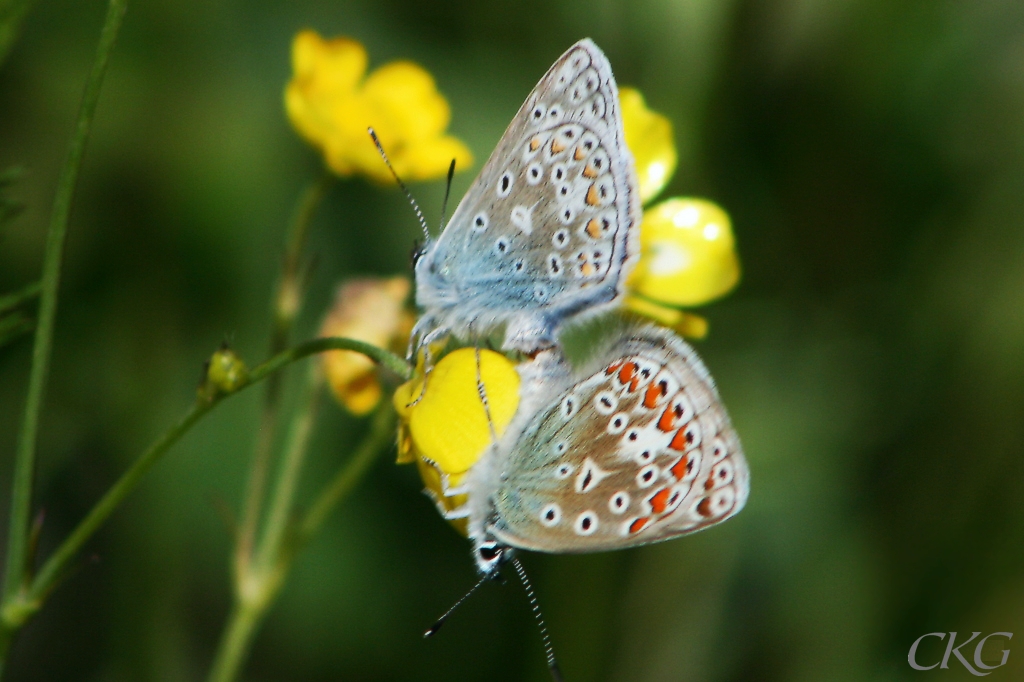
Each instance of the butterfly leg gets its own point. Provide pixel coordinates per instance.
(431, 337)
(448, 492)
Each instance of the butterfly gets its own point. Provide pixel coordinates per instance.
(634, 448)
(546, 232)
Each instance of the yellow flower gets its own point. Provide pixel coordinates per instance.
(444, 427)
(649, 138)
(369, 310)
(331, 105)
(687, 249)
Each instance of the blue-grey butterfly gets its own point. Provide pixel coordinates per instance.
(635, 447)
(546, 231)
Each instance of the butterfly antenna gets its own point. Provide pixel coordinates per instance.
(549, 652)
(408, 194)
(447, 191)
(432, 630)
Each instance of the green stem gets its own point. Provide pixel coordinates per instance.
(16, 570)
(285, 305)
(382, 432)
(261, 584)
(16, 610)
(234, 644)
(11, 301)
(288, 478)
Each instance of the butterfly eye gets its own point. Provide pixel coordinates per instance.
(490, 552)
(418, 250)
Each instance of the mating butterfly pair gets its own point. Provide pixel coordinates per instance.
(634, 448)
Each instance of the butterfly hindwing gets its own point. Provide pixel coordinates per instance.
(546, 229)
(638, 450)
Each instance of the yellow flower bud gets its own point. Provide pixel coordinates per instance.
(331, 105)
(687, 254)
(225, 373)
(370, 310)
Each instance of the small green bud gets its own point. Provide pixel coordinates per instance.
(224, 373)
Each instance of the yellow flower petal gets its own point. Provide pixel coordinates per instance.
(331, 106)
(446, 423)
(687, 254)
(649, 138)
(449, 425)
(369, 310)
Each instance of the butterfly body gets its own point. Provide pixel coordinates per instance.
(545, 232)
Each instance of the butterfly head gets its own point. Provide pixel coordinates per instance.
(490, 556)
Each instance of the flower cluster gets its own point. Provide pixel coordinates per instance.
(331, 104)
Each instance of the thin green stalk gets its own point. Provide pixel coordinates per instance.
(11, 301)
(18, 564)
(236, 641)
(280, 510)
(382, 433)
(285, 305)
(265, 579)
(16, 610)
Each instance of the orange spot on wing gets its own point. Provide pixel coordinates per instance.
(633, 384)
(590, 172)
(594, 228)
(627, 372)
(592, 197)
(679, 440)
(659, 501)
(588, 269)
(704, 507)
(534, 144)
(710, 483)
(668, 419)
(653, 395)
(556, 147)
(639, 524)
(679, 468)
(612, 368)
(579, 154)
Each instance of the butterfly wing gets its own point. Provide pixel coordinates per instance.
(545, 230)
(638, 451)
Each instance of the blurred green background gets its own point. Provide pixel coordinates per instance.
(871, 154)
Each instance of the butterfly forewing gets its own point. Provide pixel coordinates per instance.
(638, 451)
(544, 232)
